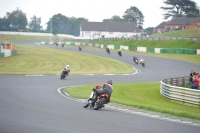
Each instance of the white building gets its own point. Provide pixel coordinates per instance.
(95, 30)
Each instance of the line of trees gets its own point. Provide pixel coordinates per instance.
(61, 24)
(17, 21)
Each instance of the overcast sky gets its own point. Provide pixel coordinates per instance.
(93, 10)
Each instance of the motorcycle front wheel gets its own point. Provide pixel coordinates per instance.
(86, 103)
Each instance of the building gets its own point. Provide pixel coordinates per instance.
(179, 23)
(95, 30)
(160, 28)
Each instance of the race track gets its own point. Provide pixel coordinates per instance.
(33, 104)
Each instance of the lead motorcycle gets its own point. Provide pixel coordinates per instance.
(96, 103)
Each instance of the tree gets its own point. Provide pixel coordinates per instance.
(134, 15)
(4, 25)
(149, 30)
(35, 24)
(17, 20)
(64, 25)
(75, 23)
(179, 8)
(114, 18)
(59, 24)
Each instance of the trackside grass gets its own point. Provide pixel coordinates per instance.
(13, 38)
(188, 44)
(143, 96)
(179, 33)
(42, 60)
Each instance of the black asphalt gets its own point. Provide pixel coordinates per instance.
(32, 104)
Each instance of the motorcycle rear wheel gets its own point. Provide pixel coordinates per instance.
(99, 103)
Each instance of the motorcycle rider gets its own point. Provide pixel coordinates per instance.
(67, 68)
(141, 61)
(107, 49)
(119, 51)
(107, 89)
(64, 71)
(135, 58)
(80, 48)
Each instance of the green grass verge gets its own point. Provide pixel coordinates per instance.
(42, 60)
(141, 95)
(179, 33)
(153, 43)
(13, 38)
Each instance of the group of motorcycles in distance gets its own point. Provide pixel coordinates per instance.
(135, 60)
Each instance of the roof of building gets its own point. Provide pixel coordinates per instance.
(183, 20)
(161, 25)
(109, 26)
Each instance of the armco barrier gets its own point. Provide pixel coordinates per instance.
(184, 95)
(136, 48)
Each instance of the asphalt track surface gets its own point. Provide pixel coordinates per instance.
(36, 104)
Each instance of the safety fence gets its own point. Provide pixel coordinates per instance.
(171, 89)
(130, 48)
(152, 38)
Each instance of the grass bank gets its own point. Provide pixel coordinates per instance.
(153, 43)
(42, 60)
(143, 96)
(14, 38)
(179, 33)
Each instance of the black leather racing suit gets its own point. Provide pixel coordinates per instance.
(107, 89)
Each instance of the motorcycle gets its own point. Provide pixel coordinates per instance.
(136, 61)
(119, 53)
(108, 50)
(80, 48)
(63, 75)
(62, 45)
(96, 103)
(143, 64)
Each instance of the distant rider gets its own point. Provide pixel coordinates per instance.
(135, 58)
(107, 89)
(107, 49)
(119, 51)
(67, 68)
(65, 71)
(80, 48)
(141, 61)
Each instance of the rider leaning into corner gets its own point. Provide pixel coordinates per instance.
(141, 61)
(67, 68)
(135, 58)
(107, 89)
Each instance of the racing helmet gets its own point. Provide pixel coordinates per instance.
(67, 65)
(109, 81)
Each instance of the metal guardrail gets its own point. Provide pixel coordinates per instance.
(185, 95)
(152, 38)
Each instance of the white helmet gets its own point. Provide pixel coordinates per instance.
(67, 65)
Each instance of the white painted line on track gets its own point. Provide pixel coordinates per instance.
(124, 110)
(35, 75)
